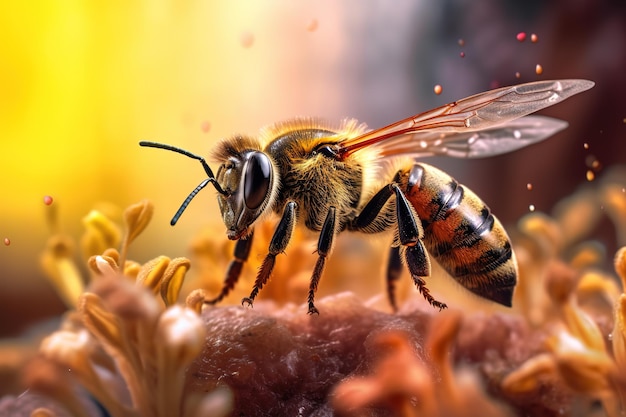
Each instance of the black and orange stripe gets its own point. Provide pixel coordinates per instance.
(460, 232)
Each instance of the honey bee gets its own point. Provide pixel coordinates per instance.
(327, 179)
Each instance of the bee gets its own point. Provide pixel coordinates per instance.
(327, 180)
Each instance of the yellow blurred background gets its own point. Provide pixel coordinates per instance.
(81, 83)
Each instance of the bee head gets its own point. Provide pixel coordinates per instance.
(245, 183)
(248, 183)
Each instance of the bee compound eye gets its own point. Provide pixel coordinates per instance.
(258, 175)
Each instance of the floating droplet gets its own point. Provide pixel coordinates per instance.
(518, 75)
(47, 200)
(7, 241)
(461, 42)
(438, 89)
(534, 38)
(521, 36)
(586, 145)
(246, 39)
(590, 175)
(592, 162)
(206, 126)
(538, 69)
(312, 26)
(531, 207)
(529, 186)
(462, 54)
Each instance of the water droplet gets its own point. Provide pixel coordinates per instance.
(590, 175)
(534, 38)
(517, 134)
(47, 200)
(538, 69)
(246, 39)
(312, 26)
(437, 89)
(529, 186)
(521, 36)
(531, 207)
(462, 54)
(461, 42)
(206, 126)
(586, 145)
(518, 75)
(592, 162)
(7, 241)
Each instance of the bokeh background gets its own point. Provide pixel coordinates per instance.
(82, 82)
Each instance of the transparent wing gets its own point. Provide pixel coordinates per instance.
(481, 125)
(474, 144)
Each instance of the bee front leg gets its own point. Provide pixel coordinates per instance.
(324, 245)
(242, 251)
(278, 244)
(411, 234)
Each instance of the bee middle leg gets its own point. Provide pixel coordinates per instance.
(324, 245)
(410, 235)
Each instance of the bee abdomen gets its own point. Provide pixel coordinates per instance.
(462, 235)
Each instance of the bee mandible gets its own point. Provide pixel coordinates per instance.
(326, 179)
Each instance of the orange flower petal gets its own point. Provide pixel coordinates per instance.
(173, 279)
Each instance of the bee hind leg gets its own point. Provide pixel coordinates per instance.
(417, 261)
(394, 271)
(410, 234)
(374, 217)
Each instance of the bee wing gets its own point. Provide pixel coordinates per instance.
(474, 144)
(481, 125)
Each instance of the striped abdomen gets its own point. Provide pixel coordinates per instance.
(461, 233)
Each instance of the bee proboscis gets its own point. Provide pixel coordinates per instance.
(325, 179)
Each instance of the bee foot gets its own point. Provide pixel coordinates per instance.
(247, 302)
(439, 305)
(312, 310)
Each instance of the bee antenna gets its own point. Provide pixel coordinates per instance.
(206, 167)
(211, 178)
(190, 197)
